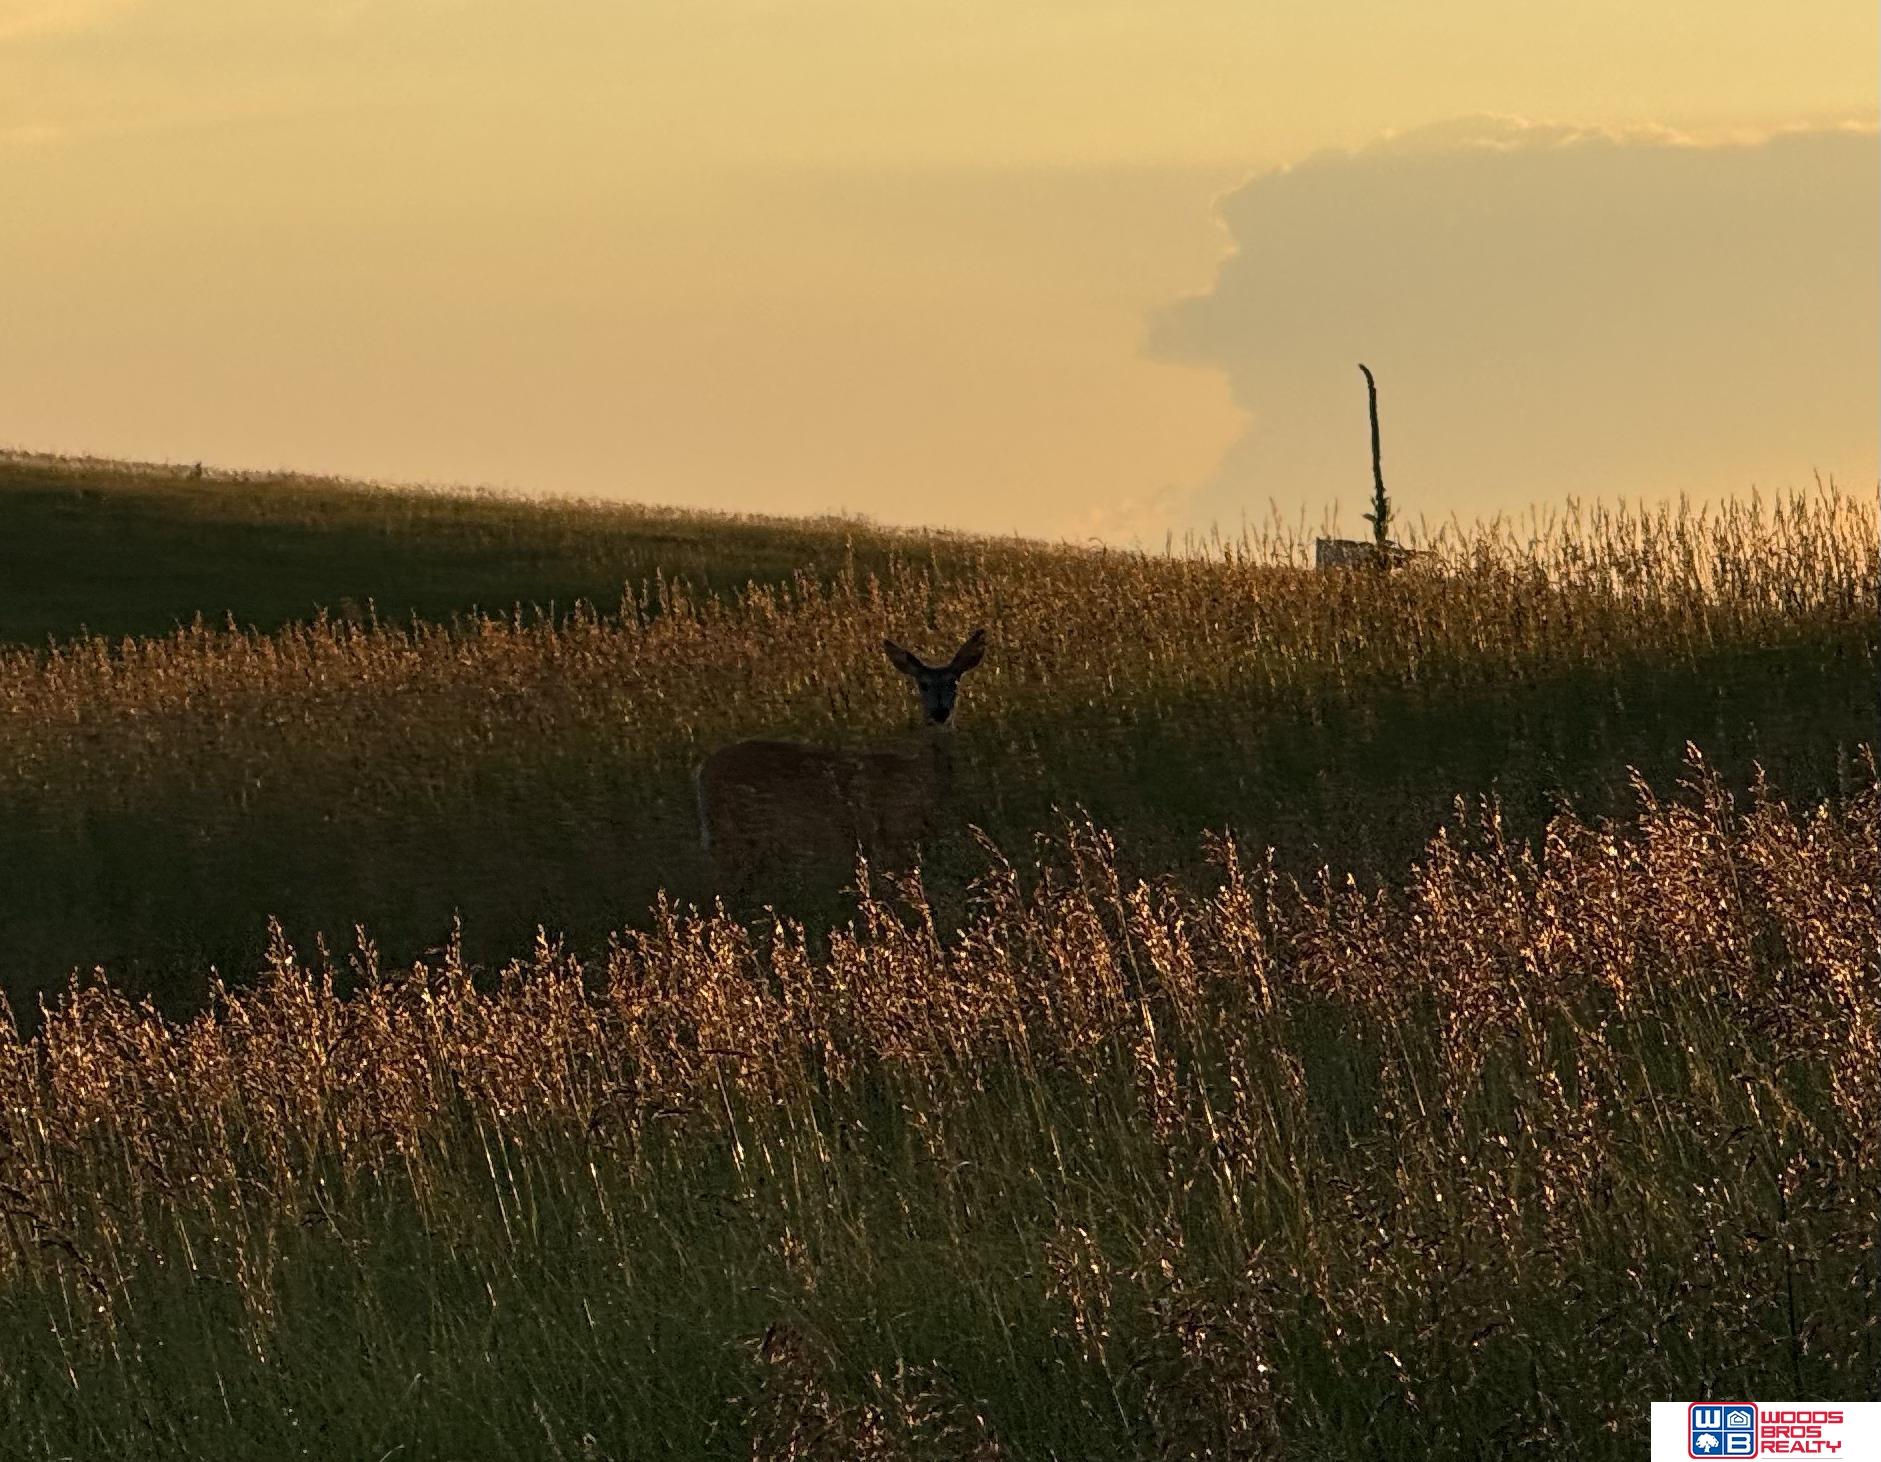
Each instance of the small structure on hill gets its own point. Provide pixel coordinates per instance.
(1361, 553)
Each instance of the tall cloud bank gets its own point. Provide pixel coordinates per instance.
(1550, 311)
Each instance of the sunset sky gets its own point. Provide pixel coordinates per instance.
(1064, 267)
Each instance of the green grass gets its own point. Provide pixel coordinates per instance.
(128, 549)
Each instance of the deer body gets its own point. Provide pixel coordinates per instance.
(795, 800)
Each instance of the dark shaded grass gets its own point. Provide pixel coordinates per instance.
(118, 549)
(579, 838)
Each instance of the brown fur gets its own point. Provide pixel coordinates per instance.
(794, 801)
(791, 801)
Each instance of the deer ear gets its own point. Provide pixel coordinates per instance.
(901, 659)
(970, 653)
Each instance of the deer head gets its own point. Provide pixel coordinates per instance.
(938, 685)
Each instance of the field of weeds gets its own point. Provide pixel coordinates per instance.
(1340, 1015)
(1478, 1164)
(162, 798)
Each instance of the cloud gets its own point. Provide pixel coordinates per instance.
(1551, 310)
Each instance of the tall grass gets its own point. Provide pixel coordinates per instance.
(1476, 1164)
(161, 798)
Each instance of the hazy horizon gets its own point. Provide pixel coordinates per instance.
(1071, 271)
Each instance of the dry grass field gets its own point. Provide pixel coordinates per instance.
(1341, 1015)
(162, 798)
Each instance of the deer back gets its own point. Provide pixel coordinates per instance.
(789, 798)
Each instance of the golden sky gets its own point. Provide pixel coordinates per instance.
(1067, 267)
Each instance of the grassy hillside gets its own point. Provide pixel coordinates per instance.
(128, 549)
(1113, 1139)
(161, 800)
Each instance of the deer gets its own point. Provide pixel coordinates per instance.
(793, 799)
